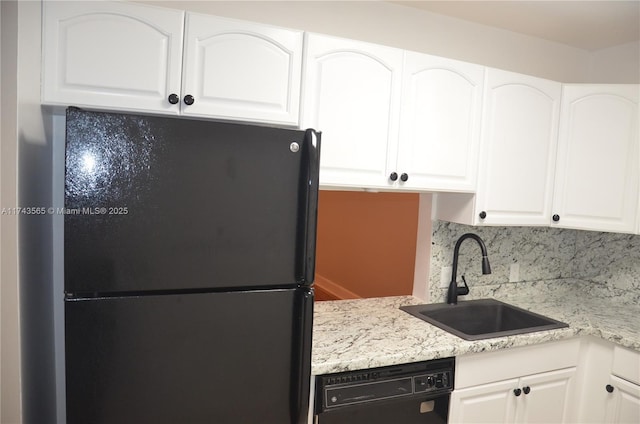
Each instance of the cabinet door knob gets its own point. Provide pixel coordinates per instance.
(609, 388)
(173, 98)
(393, 176)
(555, 218)
(517, 392)
(404, 177)
(526, 390)
(482, 215)
(188, 100)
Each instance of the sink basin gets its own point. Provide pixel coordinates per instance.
(482, 318)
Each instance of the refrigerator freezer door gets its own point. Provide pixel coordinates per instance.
(197, 358)
(158, 203)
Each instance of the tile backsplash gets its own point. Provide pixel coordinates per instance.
(537, 257)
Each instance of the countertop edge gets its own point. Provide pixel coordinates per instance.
(366, 320)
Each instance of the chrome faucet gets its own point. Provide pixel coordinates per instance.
(454, 290)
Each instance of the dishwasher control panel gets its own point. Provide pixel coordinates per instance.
(398, 381)
(433, 382)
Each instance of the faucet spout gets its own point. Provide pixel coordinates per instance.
(454, 290)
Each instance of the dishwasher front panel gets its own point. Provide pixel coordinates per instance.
(400, 394)
(426, 410)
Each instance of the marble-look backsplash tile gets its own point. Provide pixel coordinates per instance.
(610, 261)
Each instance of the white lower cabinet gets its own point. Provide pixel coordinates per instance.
(623, 389)
(538, 398)
(487, 403)
(623, 401)
(609, 384)
(585, 380)
(546, 397)
(532, 384)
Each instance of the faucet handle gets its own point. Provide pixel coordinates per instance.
(463, 290)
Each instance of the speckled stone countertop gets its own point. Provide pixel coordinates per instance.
(366, 333)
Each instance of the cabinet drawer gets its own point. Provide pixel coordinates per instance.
(482, 368)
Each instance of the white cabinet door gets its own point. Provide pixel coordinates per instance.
(518, 149)
(241, 70)
(111, 55)
(489, 403)
(439, 123)
(597, 167)
(540, 398)
(545, 397)
(352, 94)
(623, 404)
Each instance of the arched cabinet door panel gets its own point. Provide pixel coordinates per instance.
(241, 70)
(440, 122)
(352, 94)
(111, 55)
(518, 149)
(517, 159)
(596, 185)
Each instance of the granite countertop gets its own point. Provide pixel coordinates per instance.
(366, 333)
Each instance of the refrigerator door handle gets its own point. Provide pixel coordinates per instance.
(309, 182)
(301, 373)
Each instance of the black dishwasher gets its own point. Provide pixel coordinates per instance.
(400, 394)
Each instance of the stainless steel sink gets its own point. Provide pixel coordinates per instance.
(482, 318)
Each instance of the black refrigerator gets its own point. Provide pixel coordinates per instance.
(189, 253)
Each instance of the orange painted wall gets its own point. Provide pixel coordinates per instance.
(367, 241)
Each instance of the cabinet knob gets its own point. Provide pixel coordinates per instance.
(404, 177)
(555, 218)
(393, 176)
(526, 390)
(482, 215)
(188, 100)
(609, 388)
(173, 98)
(517, 392)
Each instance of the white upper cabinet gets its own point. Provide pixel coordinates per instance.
(598, 150)
(125, 56)
(111, 55)
(352, 94)
(517, 154)
(392, 119)
(439, 123)
(236, 69)
(518, 149)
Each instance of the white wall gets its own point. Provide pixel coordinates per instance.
(618, 64)
(28, 373)
(10, 385)
(35, 231)
(414, 29)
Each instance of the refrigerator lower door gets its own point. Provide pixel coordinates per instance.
(235, 357)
